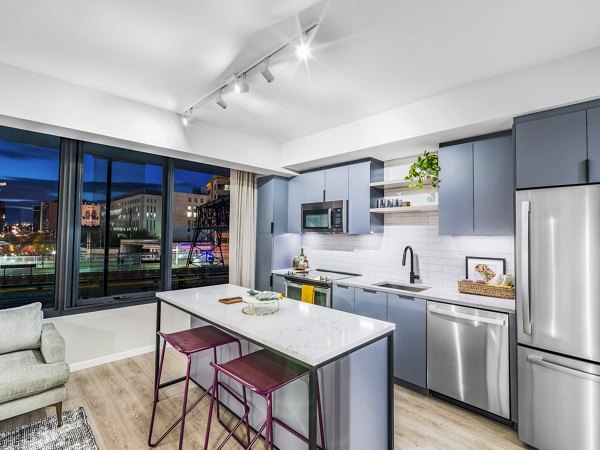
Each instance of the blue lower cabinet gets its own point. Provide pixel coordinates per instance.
(343, 298)
(370, 303)
(410, 338)
(278, 284)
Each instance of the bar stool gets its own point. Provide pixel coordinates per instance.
(263, 372)
(188, 342)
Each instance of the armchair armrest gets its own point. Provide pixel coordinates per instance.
(53, 345)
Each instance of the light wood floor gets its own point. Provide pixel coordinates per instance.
(117, 398)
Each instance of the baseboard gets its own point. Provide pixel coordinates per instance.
(110, 358)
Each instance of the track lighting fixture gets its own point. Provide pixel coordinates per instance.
(238, 82)
(187, 116)
(240, 86)
(222, 103)
(265, 72)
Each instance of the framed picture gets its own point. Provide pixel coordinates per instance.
(481, 268)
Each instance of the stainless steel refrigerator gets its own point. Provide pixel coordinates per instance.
(558, 316)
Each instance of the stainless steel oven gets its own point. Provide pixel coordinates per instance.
(322, 297)
(325, 217)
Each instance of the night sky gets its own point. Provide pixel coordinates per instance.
(31, 175)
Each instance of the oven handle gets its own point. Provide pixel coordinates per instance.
(289, 283)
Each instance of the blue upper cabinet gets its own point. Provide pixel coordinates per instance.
(477, 187)
(456, 190)
(593, 129)
(493, 186)
(313, 186)
(551, 150)
(295, 200)
(336, 184)
(361, 197)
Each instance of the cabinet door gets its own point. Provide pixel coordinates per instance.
(295, 198)
(313, 186)
(593, 130)
(551, 151)
(264, 204)
(410, 337)
(343, 298)
(360, 219)
(336, 184)
(278, 285)
(264, 261)
(280, 205)
(370, 303)
(456, 190)
(493, 185)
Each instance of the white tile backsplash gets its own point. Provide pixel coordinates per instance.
(440, 260)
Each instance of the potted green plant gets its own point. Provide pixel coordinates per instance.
(425, 168)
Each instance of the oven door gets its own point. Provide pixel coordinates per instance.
(322, 294)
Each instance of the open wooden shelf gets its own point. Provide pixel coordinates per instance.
(405, 209)
(394, 184)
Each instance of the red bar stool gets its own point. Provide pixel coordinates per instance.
(189, 342)
(262, 372)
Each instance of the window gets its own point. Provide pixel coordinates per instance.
(199, 257)
(29, 169)
(119, 255)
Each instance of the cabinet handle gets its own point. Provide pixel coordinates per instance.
(404, 297)
(586, 165)
(369, 291)
(342, 286)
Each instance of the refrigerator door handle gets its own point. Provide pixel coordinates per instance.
(524, 268)
(538, 360)
(459, 315)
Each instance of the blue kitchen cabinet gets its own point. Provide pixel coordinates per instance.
(336, 184)
(410, 338)
(593, 138)
(295, 199)
(313, 186)
(343, 298)
(275, 248)
(278, 284)
(456, 190)
(362, 197)
(370, 303)
(551, 149)
(493, 186)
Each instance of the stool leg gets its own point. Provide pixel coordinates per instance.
(215, 388)
(185, 397)
(320, 416)
(156, 388)
(269, 428)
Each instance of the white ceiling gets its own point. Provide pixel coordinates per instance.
(369, 56)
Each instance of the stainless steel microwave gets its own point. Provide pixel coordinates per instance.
(325, 217)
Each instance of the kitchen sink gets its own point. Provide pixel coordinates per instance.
(401, 287)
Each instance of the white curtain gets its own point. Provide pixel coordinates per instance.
(242, 228)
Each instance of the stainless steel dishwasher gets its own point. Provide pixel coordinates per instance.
(467, 356)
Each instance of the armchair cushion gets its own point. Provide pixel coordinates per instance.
(53, 345)
(20, 328)
(26, 373)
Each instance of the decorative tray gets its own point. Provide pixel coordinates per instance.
(471, 287)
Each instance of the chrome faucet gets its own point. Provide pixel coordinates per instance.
(413, 277)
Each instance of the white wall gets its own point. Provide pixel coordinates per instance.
(100, 337)
(469, 111)
(40, 103)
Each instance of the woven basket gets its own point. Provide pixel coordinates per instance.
(469, 287)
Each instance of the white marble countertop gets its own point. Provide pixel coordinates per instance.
(440, 294)
(309, 333)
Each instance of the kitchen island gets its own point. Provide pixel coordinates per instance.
(352, 354)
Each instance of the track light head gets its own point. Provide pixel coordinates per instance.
(240, 86)
(187, 116)
(266, 73)
(222, 103)
(303, 50)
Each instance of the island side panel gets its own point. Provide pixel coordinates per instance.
(368, 397)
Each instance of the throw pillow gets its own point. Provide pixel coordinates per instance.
(21, 328)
